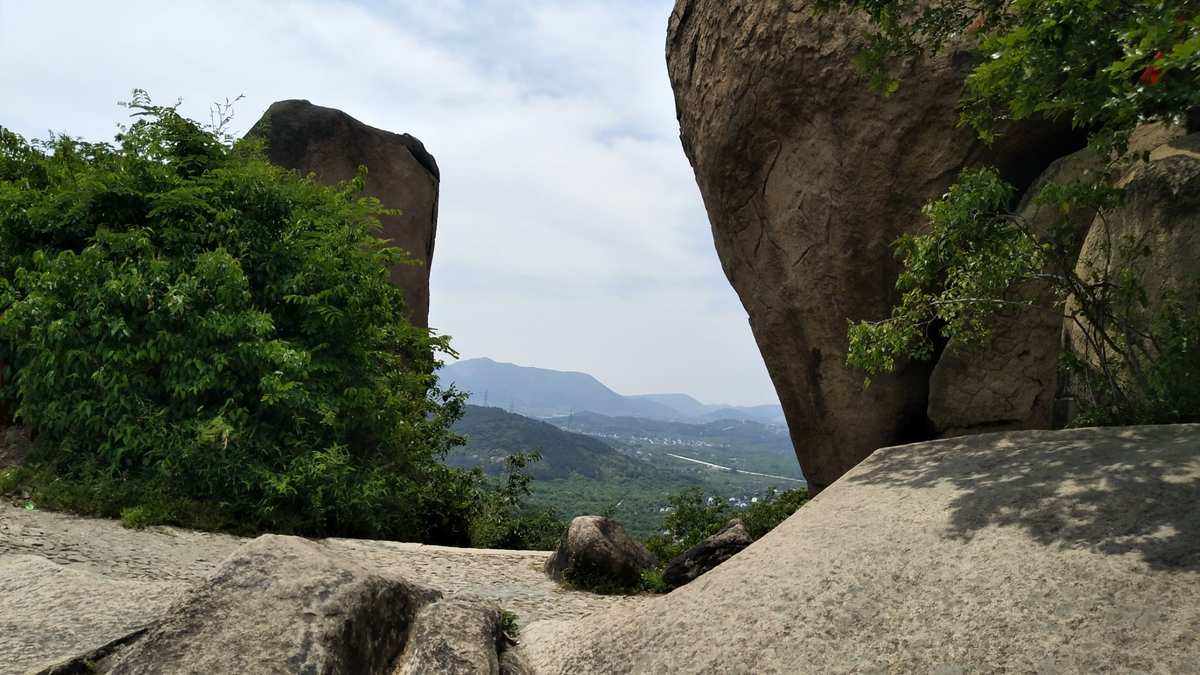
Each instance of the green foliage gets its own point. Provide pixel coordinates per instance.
(1103, 65)
(188, 330)
(509, 626)
(693, 517)
(1140, 356)
(652, 581)
(1106, 67)
(505, 520)
(955, 276)
(764, 515)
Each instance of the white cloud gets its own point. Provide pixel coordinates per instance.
(571, 232)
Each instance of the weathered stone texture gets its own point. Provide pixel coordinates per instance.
(1035, 551)
(808, 176)
(400, 173)
(1011, 382)
(705, 556)
(280, 604)
(596, 553)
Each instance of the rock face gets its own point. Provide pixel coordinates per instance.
(1162, 212)
(281, 603)
(1047, 551)
(808, 176)
(453, 635)
(1011, 383)
(687, 566)
(89, 610)
(400, 173)
(14, 445)
(596, 553)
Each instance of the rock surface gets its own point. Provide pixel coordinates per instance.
(79, 583)
(400, 173)
(49, 612)
(596, 553)
(703, 557)
(454, 636)
(280, 604)
(1036, 551)
(808, 177)
(14, 445)
(1160, 214)
(1011, 383)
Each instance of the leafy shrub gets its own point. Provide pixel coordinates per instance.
(504, 519)
(193, 334)
(693, 517)
(764, 515)
(1141, 358)
(1105, 67)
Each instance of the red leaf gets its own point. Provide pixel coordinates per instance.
(1152, 75)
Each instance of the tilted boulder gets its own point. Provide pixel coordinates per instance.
(808, 176)
(400, 173)
(595, 553)
(280, 604)
(689, 565)
(1011, 382)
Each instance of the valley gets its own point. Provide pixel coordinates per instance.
(629, 466)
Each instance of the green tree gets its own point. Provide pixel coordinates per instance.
(1104, 67)
(506, 520)
(196, 336)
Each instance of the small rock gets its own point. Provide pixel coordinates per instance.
(687, 566)
(454, 635)
(595, 553)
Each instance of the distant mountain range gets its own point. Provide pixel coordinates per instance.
(627, 465)
(493, 434)
(540, 392)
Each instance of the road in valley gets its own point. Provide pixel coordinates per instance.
(733, 470)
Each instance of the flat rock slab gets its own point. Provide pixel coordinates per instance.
(70, 584)
(1067, 551)
(280, 604)
(49, 612)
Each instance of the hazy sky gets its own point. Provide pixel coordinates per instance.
(571, 234)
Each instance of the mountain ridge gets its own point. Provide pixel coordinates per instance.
(543, 392)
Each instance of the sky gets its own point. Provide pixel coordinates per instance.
(571, 234)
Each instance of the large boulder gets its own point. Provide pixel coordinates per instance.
(808, 176)
(703, 557)
(1033, 551)
(281, 604)
(595, 553)
(1161, 213)
(1012, 382)
(1155, 234)
(400, 173)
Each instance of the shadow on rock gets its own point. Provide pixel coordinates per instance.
(1137, 491)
